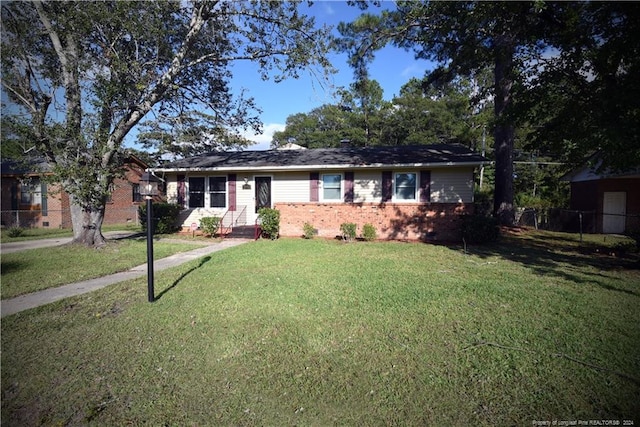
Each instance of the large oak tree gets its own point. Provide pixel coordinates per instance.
(94, 70)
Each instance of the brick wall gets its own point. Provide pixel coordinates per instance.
(433, 222)
(122, 209)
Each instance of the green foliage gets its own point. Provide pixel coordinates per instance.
(599, 67)
(479, 229)
(364, 118)
(15, 231)
(369, 232)
(348, 230)
(308, 230)
(483, 202)
(165, 217)
(269, 219)
(170, 57)
(210, 224)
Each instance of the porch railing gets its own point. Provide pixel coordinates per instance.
(230, 219)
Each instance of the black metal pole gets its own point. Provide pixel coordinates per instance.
(150, 250)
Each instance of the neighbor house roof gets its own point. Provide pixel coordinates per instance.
(589, 172)
(28, 166)
(39, 165)
(330, 158)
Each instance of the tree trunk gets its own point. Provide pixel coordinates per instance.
(87, 224)
(504, 133)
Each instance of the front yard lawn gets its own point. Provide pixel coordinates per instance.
(315, 332)
(37, 269)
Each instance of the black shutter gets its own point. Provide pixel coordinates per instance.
(232, 191)
(425, 186)
(387, 186)
(348, 187)
(181, 190)
(314, 177)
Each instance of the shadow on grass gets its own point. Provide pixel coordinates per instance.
(11, 266)
(546, 255)
(182, 276)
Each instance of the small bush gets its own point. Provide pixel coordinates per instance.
(308, 231)
(348, 230)
(369, 232)
(165, 217)
(210, 224)
(15, 232)
(635, 235)
(269, 222)
(479, 229)
(483, 202)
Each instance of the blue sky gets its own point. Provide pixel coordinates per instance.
(392, 68)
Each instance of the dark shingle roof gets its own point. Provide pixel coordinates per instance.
(330, 157)
(29, 166)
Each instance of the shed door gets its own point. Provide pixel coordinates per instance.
(614, 210)
(263, 192)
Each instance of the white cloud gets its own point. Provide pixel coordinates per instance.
(263, 141)
(327, 8)
(412, 70)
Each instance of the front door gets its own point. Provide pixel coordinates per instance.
(263, 192)
(614, 210)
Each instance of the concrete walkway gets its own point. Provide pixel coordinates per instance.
(36, 299)
(7, 248)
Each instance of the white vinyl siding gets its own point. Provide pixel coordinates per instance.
(453, 185)
(290, 187)
(367, 187)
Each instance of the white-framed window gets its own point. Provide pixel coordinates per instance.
(210, 192)
(332, 187)
(217, 192)
(196, 191)
(405, 186)
(30, 192)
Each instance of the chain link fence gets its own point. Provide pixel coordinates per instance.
(571, 221)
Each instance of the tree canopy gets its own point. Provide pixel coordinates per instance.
(419, 114)
(585, 97)
(85, 73)
(547, 58)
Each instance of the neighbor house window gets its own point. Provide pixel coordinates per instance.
(196, 192)
(217, 192)
(135, 190)
(30, 192)
(405, 185)
(332, 187)
(111, 189)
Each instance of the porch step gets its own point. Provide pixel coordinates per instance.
(242, 232)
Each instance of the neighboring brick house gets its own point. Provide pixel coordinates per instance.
(611, 201)
(406, 192)
(28, 200)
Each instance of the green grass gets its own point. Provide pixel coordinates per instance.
(315, 332)
(47, 233)
(37, 269)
